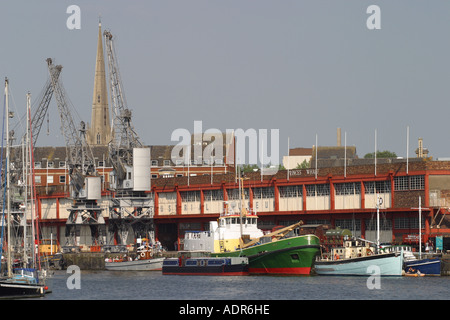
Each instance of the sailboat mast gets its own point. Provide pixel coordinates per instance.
(8, 203)
(25, 175)
(242, 201)
(34, 224)
(378, 222)
(420, 227)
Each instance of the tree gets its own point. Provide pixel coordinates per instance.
(304, 165)
(381, 154)
(249, 168)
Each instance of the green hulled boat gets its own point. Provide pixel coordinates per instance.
(280, 252)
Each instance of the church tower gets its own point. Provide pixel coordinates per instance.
(99, 132)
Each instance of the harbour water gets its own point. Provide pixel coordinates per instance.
(152, 285)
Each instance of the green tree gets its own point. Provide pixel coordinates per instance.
(381, 154)
(249, 168)
(304, 165)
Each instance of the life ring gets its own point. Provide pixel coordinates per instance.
(142, 254)
(369, 252)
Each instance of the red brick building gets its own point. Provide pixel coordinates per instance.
(338, 196)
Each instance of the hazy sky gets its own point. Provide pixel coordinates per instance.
(304, 67)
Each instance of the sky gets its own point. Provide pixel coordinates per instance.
(304, 67)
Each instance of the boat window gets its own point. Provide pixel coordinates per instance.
(191, 262)
(228, 220)
(233, 220)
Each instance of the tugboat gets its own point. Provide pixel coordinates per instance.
(282, 252)
(201, 263)
(148, 259)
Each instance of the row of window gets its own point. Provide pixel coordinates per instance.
(351, 188)
(385, 224)
(409, 183)
(355, 224)
(61, 164)
(180, 163)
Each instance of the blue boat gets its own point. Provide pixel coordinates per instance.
(192, 263)
(413, 265)
(429, 267)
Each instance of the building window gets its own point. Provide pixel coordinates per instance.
(350, 188)
(263, 193)
(417, 182)
(166, 163)
(409, 183)
(62, 164)
(37, 179)
(213, 195)
(374, 187)
(190, 196)
(154, 176)
(234, 194)
(291, 191)
(37, 165)
(385, 224)
(401, 183)
(62, 179)
(318, 190)
(98, 138)
(154, 163)
(49, 179)
(350, 224)
(408, 222)
(101, 163)
(50, 164)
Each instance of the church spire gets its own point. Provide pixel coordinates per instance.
(99, 132)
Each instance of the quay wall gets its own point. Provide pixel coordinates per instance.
(96, 260)
(445, 264)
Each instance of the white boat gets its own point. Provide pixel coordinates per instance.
(148, 259)
(153, 264)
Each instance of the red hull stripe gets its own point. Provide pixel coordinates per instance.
(304, 270)
(208, 274)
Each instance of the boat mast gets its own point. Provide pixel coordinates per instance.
(242, 202)
(25, 175)
(8, 203)
(420, 227)
(378, 221)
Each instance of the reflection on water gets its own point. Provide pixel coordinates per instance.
(151, 285)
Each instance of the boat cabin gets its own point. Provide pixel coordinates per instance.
(352, 248)
(226, 234)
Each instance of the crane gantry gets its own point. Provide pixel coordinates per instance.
(130, 178)
(85, 183)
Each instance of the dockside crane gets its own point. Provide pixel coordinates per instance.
(19, 158)
(130, 179)
(85, 183)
